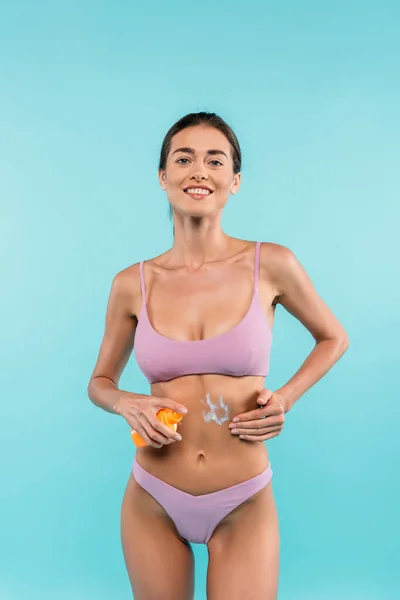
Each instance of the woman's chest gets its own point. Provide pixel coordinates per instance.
(202, 307)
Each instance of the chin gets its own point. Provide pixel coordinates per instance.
(193, 209)
(200, 211)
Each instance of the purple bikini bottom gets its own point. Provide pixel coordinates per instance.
(196, 517)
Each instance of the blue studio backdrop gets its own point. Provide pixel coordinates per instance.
(88, 91)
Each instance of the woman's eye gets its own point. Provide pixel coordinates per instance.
(212, 161)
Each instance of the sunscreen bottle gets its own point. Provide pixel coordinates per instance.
(169, 417)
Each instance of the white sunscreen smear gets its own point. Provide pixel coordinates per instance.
(218, 412)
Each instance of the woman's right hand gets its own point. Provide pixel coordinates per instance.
(140, 414)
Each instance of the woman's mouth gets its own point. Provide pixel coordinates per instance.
(198, 193)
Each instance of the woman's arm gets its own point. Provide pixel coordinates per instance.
(297, 295)
(117, 343)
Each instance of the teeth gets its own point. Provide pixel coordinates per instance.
(197, 191)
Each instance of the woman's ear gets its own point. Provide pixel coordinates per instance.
(237, 179)
(162, 178)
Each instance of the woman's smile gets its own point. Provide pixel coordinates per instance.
(198, 193)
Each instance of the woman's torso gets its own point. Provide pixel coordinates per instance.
(183, 305)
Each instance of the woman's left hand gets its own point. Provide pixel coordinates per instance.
(262, 423)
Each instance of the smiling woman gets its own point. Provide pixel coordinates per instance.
(228, 154)
(200, 318)
(200, 190)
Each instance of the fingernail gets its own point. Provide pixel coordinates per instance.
(235, 420)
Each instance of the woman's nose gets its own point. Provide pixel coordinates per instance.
(199, 175)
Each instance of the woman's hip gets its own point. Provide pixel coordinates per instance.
(198, 471)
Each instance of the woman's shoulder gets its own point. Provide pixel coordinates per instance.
(275, 259)
(128, 281)
(126, 284)
(125, 276)
(270, 251)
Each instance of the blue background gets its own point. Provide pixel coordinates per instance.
(88, 90)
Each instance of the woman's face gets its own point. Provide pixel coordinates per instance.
(199, 157)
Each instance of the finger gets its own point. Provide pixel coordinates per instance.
(257, 438)
(258, 413)
(264, 396)
(150, 435)
(146, 438)
(167, 403)
(163, 434)
(258, 423)
(257, 432)
(272, 409)
(165, 431)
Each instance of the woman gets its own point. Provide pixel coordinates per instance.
(200, 317)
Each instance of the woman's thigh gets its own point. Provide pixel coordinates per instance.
(160, 565)
(244, 552)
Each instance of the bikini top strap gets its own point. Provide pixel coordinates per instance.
(142, 283)
(257, 266)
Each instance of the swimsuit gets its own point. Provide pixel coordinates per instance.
(196, 517)
(243, 350)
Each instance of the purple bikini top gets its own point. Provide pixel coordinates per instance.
(243, 350)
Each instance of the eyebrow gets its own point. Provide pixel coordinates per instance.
(191, 151)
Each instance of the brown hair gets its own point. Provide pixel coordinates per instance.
(202, 118)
